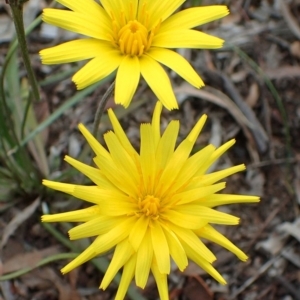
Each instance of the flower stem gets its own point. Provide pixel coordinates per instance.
(101, 108)
(17, 13)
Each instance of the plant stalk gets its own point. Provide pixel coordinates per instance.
(101, 108)
(17, 13)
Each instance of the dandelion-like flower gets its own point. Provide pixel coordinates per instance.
(134, 37)
(150, 207)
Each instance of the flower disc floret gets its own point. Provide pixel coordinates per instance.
(151, 207)
(135, 38)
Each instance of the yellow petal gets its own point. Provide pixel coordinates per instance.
(186, 39)
(116, 176)
(147, 158)
(118, 8)
(77, 22)
(193, 17)
(208, 214)
(97, 226)
(121, 255)
(95, 145)
(127, 80)
(121, 134)
(144, 261)
(94, 174)
(97, 69)
(219, 152)
(121, 158)
(222, 199)
(204, 264)
(211, 234)
(176, 250)
(190, 238)
(188, 196)
(138, 232)
(62, 187)
(160, 247)
(177, 63)
(161, 281)
(88, 8)
(157, 78)
(92, 194)
(156, 123)
(185, 220)
(158, 10)
(71, 51)
(193, 135)
(83, 257)
(127, 276)
(165, 148)
(192, 165)
(211, 178)
(80, 215)
(117, 234)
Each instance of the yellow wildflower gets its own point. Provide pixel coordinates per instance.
(150, 207)
(134, 37)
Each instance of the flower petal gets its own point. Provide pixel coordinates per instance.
(127, 80)
(97, 226)
(58, 186)
(222, 199)
(176, 250)
(165, 148)
(92, 173)
(120, 7)
(211, 234)
(138, 232)
(185, 220)
(204, 264)
(186, 39)
(121, 135)
(144, 261)
(94, 144)
(160, 247)
(157, 10)
(77, 22)
(88, 8)
(193, 17)
(97, 69)
(212, 178)
(208, 214)
(161, 281)
(121, 255)
(177, 63)
(80, 215)
(190, 238)
(127, 276)
(158, 81)
(156, 123)
(147, 157)
(72, 51)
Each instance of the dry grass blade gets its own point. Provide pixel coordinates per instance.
(18, 220)
(289, 18)
(28, 260)
(214, 96)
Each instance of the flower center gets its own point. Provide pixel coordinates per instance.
(149, 206)
(133, 38)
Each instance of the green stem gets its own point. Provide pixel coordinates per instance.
(17, 12)
(101, 108)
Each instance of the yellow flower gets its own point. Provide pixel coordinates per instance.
(133, 36)
(151, 206)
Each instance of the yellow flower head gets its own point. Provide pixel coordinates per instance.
(150, 206)
(133, 36)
